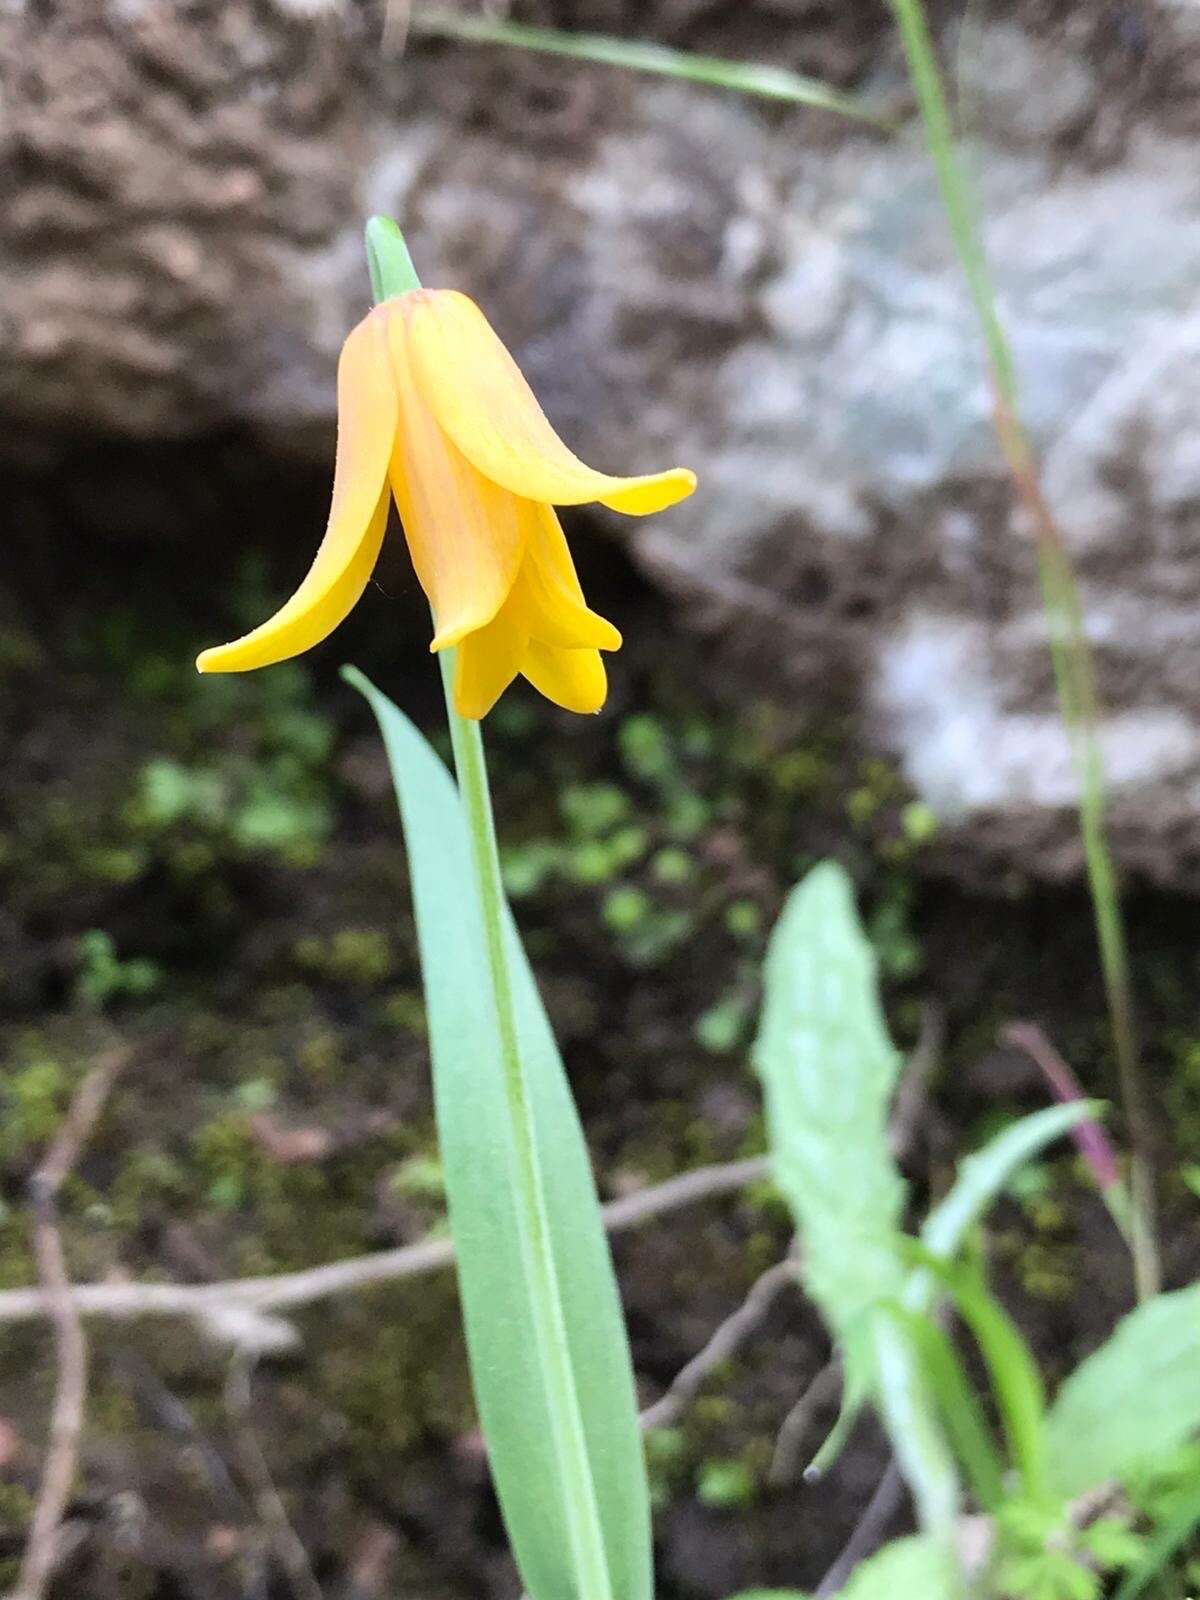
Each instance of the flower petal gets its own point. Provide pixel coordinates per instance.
(573, 679)
(466, 535)
(357, 516)
(547, 597)
(477, 392)
(488, 661)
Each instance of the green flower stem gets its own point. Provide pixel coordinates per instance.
(1069, 647)
(392, 273)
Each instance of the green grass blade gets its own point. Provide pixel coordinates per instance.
(962, 1415)
(982, 1177)
(1069, 647)
(505, 1332)
(1132, 1402)
(768, 82)
(1016, 1381)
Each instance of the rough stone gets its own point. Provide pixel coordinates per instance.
(686, 275)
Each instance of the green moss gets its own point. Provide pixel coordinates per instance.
(16, 1508)
(359, 958)
(34, 1091)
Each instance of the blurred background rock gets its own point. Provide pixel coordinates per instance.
(686, 274)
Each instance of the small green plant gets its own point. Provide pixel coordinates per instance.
(103, 977)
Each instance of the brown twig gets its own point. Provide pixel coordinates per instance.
(70, 1343)
(283, 1538)
(724, 1343)
(785, 1460)
(868, 1531)
(239, 1309)
(912, 1092)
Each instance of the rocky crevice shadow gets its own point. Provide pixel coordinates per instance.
(687, 275)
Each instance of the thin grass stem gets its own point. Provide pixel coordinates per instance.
(1070, 651)
(747, 77)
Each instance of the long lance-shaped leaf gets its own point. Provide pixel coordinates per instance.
(503, 1325)
(828, 1070)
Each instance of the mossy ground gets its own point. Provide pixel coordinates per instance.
(210, 870)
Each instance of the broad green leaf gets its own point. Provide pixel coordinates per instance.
(477, 1143)
(828, 1070)
(1132, 1402)
(920, 1568)
(907, 1569)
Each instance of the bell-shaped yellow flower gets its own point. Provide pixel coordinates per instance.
(433, 411)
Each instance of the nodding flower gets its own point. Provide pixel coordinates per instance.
(434, 412)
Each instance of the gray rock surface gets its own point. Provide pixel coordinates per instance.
(689, 276)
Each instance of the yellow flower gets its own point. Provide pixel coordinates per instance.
(433, 411)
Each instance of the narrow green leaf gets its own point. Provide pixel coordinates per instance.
(982, 1177)
(1132, 1402)
(828, 1070)
(769, 82)
(1016, 1381)
(962, 1415)
(477, 1145)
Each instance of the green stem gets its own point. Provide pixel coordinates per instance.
(746, 77)
(583, 1514)
(392, 273)
(1064, 615)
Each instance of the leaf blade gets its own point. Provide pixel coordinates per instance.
(476, 1141)
(1134, 1400)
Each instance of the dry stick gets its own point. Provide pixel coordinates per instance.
(785, 1461)
(731, 1334)
(868, 1532)
(284, 1540)
(71, 1354)
(291, 1290)
(724, 1343)
(912, 1092)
